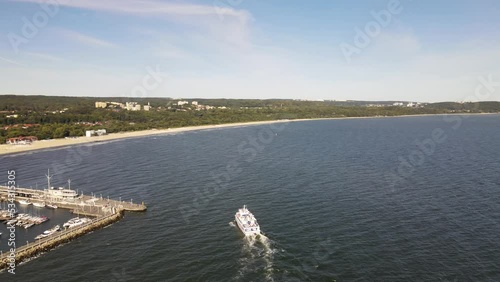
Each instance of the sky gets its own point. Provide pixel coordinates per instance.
(398, 50)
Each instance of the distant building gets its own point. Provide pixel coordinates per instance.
(27, 140)
(147, 107)
(116, 104)
(132, 106)
(194, 103)
(101, 104)
(99, 132)
(109, 105)
(180, 103)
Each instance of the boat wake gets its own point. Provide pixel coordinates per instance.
(256, 258)
(231, 223)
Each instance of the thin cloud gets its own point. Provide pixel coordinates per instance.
(151, 8)
(221, 21)
(10, 61)
(46, 57)
(85, 39)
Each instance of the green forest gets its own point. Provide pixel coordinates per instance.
(49, 117)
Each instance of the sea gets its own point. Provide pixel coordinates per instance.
(365, 199)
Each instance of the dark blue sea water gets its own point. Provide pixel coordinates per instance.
(386, 199)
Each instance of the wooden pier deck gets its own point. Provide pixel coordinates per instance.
(82, 201)
(32, 249)
(105, 211)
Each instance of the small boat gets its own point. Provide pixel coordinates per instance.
(40, 205)
(246, 222)
(52, 230)
(70, 222)
(11, 222)
(41, 219)
(51, 206)
(24, 202)
(28, 225)
(74, 222)
(41, 236)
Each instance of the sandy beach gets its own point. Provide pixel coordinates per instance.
(54, 143)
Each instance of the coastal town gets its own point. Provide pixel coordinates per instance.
(27, 120)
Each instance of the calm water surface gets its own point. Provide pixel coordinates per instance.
(351, 200)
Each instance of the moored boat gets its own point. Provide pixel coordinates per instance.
(52, 230)
(76, 222)
(246, 222)
(40, 205)
(70, 222)
(41, 236)
(24, 202)
(11, 222)
(51, 206)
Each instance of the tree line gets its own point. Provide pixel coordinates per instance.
(49, 117)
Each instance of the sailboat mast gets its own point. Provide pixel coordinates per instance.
(48, 178)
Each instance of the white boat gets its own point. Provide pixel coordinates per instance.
(40, 205)
(24, 202)
(49, 232)
(41, 236)
(11, 222)
(70, 222)
(51, 206)
(246, 222)
(28, 225)
(52, 230)
(76, 222)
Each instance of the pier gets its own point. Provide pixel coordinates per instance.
(105, 212)
(83, 203)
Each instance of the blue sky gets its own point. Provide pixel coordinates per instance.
(417, 50)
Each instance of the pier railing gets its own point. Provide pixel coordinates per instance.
(106, 212)
(59, 237)
(82, 202)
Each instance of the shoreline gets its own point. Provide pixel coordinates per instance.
(7, 149)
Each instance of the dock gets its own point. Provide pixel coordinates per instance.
(100, 206)
(105, 212)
